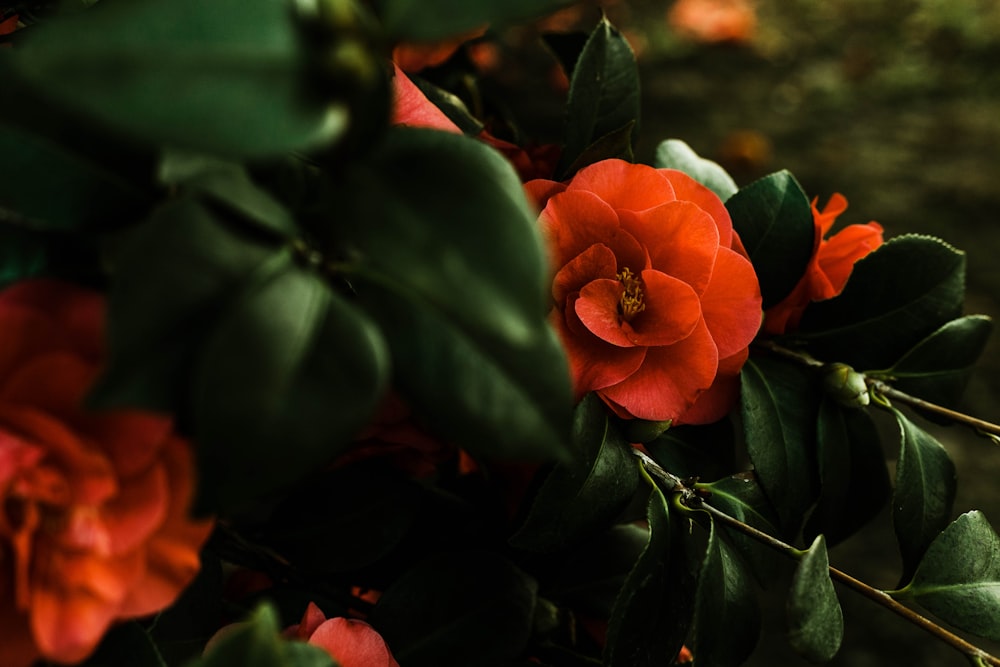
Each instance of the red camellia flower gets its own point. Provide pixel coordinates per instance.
(831, 265)
(656, 301)
(93, 506)
(352, 643)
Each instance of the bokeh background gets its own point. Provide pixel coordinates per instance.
(893, 103)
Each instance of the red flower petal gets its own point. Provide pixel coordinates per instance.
(716, 402)
(623, 185)
(137, 511)
(596, 262)
(413, 108)
(682, 240)
(593, 363)
(353, 643)
(672, 312)
(597, 308)
(658, 390)
(732, 303)
(540, 190)
(837, 256)
(688, 189)
(574, 221)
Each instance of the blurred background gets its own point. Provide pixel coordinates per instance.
(896, 105)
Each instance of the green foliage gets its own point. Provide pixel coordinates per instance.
(923, 494)
(460, 608)
(741, 497)
(780, 405)
(774, 220)
(815, 620)
(675, 154)
(651, 616)
(896, 297)
(586, 493)
(603, 105)
(958, 578)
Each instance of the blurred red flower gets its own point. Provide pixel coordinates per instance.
(714, 20)
(352, 643)
(656, 301)
(94, 523)
(831, 265)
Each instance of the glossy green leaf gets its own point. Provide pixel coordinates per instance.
(924, 492)
(741, 497)
(433, 20)
(896, 297)
(126, 644)
(958, 579)
(675, 154)
(290, 373)
(309, 526)
(603, 94)
(227, 76)
(457, 609)
(653, 612)
(780, 404)
(257, 642)
(586, 493)
(51, 185)
(496, 401)
(938, 368)
(815, 620)
(774, 220)
(616, 144)
(727, 616)
(228, 184)
(458, 232)
(854, 479)
(172, 275)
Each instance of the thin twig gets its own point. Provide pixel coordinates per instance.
(888, 391)
(690, 499)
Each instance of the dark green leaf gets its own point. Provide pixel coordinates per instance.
(433, 20)
(229, 184)
(291, 372)
(741, 497)
(457, 609)
(51, 185)
(896, 297)
(924, 492)
(452, 106)
(586, 493)
(496, 401)
(774, 220)
(706, 451)
(603, 94)
(958, 578)
(126, 644)
(616, 144)
(727, 616)
(815, 620)
(854, 480)
(328, 526)
(227, 76)
(938, 368)
(675, 154)
(257, 642)
(172, 275)
(653, 611)
(780, 404)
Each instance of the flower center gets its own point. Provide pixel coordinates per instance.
(632, 302)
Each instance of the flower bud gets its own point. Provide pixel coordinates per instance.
(845, 385)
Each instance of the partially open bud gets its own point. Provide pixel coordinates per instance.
(845, 385)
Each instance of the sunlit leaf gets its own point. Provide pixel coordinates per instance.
(675, 154)
(958, 578)
(585, 493)
(815, 620)
(774, 220)
(924, 492)
(896, 297)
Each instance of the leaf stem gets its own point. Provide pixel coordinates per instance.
(691, 499)
(886, 390)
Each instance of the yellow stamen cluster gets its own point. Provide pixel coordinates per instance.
(632, 302)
